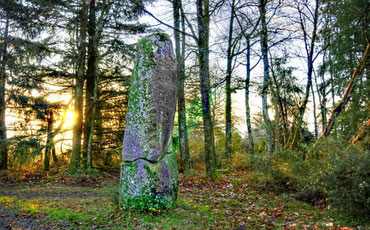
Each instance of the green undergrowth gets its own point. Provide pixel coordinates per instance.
(230, 203)
(332, 174)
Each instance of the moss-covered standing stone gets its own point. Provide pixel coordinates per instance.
(149, 177)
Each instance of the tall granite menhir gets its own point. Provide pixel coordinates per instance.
(149, 177)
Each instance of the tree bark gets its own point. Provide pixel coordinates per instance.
(180, 55)
(54, 154)
(247, 107)
(347, 94)
(264, 49)
(322, 92)
(49, 140)
(78, 106)
(203, 19)
(91, 87)
(314, 112)
(228, 144)
(322, 99)
(277, 123)
(3, 137)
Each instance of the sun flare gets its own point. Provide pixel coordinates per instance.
(69, 118)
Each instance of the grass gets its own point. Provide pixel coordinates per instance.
(231, 202)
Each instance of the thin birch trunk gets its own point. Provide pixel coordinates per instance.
(264, 49)
(247, 107)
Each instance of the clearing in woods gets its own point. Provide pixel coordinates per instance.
(233, 202)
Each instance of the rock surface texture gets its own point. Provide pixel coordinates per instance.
(149, 177)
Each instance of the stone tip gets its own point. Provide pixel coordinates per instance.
(159, 36)
(159, 44)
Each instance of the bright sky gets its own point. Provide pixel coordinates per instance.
(162, 9)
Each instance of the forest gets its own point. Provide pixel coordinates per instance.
(184, 114)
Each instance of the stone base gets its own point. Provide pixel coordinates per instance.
(147, 186)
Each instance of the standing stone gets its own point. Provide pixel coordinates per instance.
(149, 177)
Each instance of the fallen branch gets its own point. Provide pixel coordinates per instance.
(346, 97)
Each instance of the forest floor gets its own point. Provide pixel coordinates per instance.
(233, 202)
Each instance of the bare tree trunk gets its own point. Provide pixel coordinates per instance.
(49, 140)
(323, 93)
(332, 94)
(279, 109)
(314, 112)
(332, 90)
(322, 99)
(310, 49)
(107, 161)
(78, 106)
(347, 94)
(247, 107)
(203, 19)
(91, 134)
(54, 153)
(277, 123)
(264, 49)
(91, 87)
(228, 144)
(180, 55)
(282, 113)
(3, 137)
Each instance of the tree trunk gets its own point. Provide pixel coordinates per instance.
(322, 98)
(54, 154)
(277, 123)
(91, 87)
(323, 93)
(314, 112)
(49, 140)
(264, 48)
(332, 92)
(3, 138)
(247, 108)
(107, 161)
(78, 106)
(228, 144)
(99, 133)
(180, 55)
(203, 19)
(310, 48)
(279, 108)
(347, 94)
(91, 134)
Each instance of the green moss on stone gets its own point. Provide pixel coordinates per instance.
(145, 191)
(146, 48)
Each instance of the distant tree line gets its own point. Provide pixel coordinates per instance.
(310, 53)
